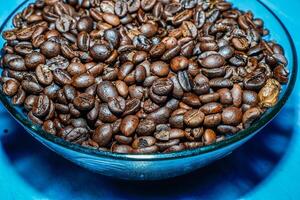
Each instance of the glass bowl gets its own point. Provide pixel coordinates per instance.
(161, 166)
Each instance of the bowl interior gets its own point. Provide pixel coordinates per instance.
(278, 32)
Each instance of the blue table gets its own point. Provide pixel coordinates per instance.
(267, 167)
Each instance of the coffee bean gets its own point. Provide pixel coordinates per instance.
(160, 116)
(157, 50)
(43, 74)
(209, 137)
(162, 87)
(145, 127)
(208, 98)
(240, 44)
(191, 100)
(179, 63)
(160, 68)
(281, 74)
(84, 102)
(103, 135)
(85, 24)
(129, 124)
(33, 59)
(10, 87)
(121, 8)
(50, 49)
(250, 116)
(185, 81)
(225, 96)
(105, 115)
(61, 77)
(117, 105)
(111, 19)
(213, 61)
(76, 69)
(100, 52)
(105, 90)
(83, 81)
(232, 116)
(193, 118)
(201, 84)
(41, 106)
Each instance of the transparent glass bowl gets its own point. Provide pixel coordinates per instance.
(161, 166)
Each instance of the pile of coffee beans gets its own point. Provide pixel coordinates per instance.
(141, 76)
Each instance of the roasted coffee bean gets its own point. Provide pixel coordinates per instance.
(85, 24)
(179, 63)
(34, 59)
(268, 95)
(49, 127)
(69, 92)
(57, 62)
(162, 86)
(220, 83)
(191, 99)
(117, 105)
(41, 106)
(211, 108)
(61, 77)
(105, 90)
(212, 120)
(240, 44)
(225, 96)
(84, 102)
(146, 127)
(185, 81)
(193, 118)
(209, 137)
(177, 89)
(157, 50)
(129, 124)
(76, 69)
(19, 97)
(103, 135)
(160, 68)
(250, 116)
(132, 106)
(50, 49)
(281, 74)
(160, 116)
(166, 135)
(100, 52)
(83, 81)
(31, 87)
(121, 8)
(123, 139)
(44, 75)
(105, 115)
(201, 84)
(136, 92)
(175, 148)
(10, 87)
(171, 53)
(213, 61)
(143, 142)
(208, 98)
(232, 116)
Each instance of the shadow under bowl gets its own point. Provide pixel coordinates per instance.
(162, 166)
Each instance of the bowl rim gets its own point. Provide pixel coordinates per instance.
(36, 129)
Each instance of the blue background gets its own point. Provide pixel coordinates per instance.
(267, 167)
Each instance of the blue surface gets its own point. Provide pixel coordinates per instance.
(267, 167)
